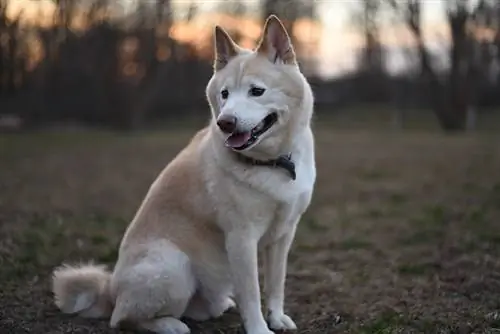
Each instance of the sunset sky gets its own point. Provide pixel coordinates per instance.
(338, 42)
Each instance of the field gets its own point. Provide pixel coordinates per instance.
(403, 235)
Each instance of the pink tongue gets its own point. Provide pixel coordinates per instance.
(238, 139)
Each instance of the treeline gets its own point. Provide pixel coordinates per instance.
(128, 71)
(112, 70)
(106, 73)
(472, 76)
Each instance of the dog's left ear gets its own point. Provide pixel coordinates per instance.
(275, 43)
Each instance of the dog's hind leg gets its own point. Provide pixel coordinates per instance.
(215, 290)
(154, 292)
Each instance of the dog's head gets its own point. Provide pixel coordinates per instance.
(259, 98)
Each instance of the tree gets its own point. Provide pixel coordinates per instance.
(236, 8)
(12, 55)
(289, 12)
(451, 93)
(366, 18)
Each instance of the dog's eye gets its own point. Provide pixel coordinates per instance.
(256, 91)
(224, 94)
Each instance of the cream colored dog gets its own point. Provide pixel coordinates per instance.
(239, 187)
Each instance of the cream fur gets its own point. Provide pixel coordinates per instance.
(192, 246)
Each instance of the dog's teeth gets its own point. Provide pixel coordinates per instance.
(259, 127)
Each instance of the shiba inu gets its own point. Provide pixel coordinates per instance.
(237, 190)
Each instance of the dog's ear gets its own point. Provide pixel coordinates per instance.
(225, 48)
(275, 43)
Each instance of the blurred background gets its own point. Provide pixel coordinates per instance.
(126, 63)
(403, 233)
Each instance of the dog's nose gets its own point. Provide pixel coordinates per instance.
(227, 123)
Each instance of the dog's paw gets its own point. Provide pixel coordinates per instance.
(166, 325)
(228, 304)
(201, 310)
(280, 321)
(216, 310)
(174, 328)
(263, 331)
(197, 310)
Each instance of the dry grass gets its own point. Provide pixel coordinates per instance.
(402, 236)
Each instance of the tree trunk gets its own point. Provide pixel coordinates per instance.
(450, 98)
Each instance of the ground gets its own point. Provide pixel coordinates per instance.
(403, 234)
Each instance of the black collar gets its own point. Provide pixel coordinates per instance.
(283, 161)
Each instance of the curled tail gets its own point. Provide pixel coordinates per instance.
(83, 289)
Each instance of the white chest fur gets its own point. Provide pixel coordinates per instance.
(263, 198)
(277, 183)
(269, 199)
(293, 198)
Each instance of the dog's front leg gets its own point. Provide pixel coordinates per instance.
(242, 254)
(275, 264)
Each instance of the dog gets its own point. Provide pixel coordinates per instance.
(237, 190)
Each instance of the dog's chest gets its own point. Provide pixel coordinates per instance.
(272, 211)
(284, 219)
(267, 198)
(291, 200)
(288, 208)
(277, 183)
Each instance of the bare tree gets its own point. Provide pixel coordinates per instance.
(236, 8)
(289, 11)
(152, 18)
(452, 93)
(12, 51)
(366, 17)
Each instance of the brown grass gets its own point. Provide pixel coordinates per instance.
(402, 235)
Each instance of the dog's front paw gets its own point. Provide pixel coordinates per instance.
(280, 321)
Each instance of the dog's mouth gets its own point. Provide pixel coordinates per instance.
(243, 140)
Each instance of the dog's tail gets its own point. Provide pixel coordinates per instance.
(83, 290)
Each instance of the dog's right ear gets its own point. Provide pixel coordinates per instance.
(225, 48)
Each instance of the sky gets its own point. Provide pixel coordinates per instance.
(339, 46)
(335, 12)
(339, 42)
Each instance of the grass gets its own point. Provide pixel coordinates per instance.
(402, 235)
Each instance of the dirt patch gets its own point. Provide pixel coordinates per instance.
(402, 235)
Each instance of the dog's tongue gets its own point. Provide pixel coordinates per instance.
(238, 139)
